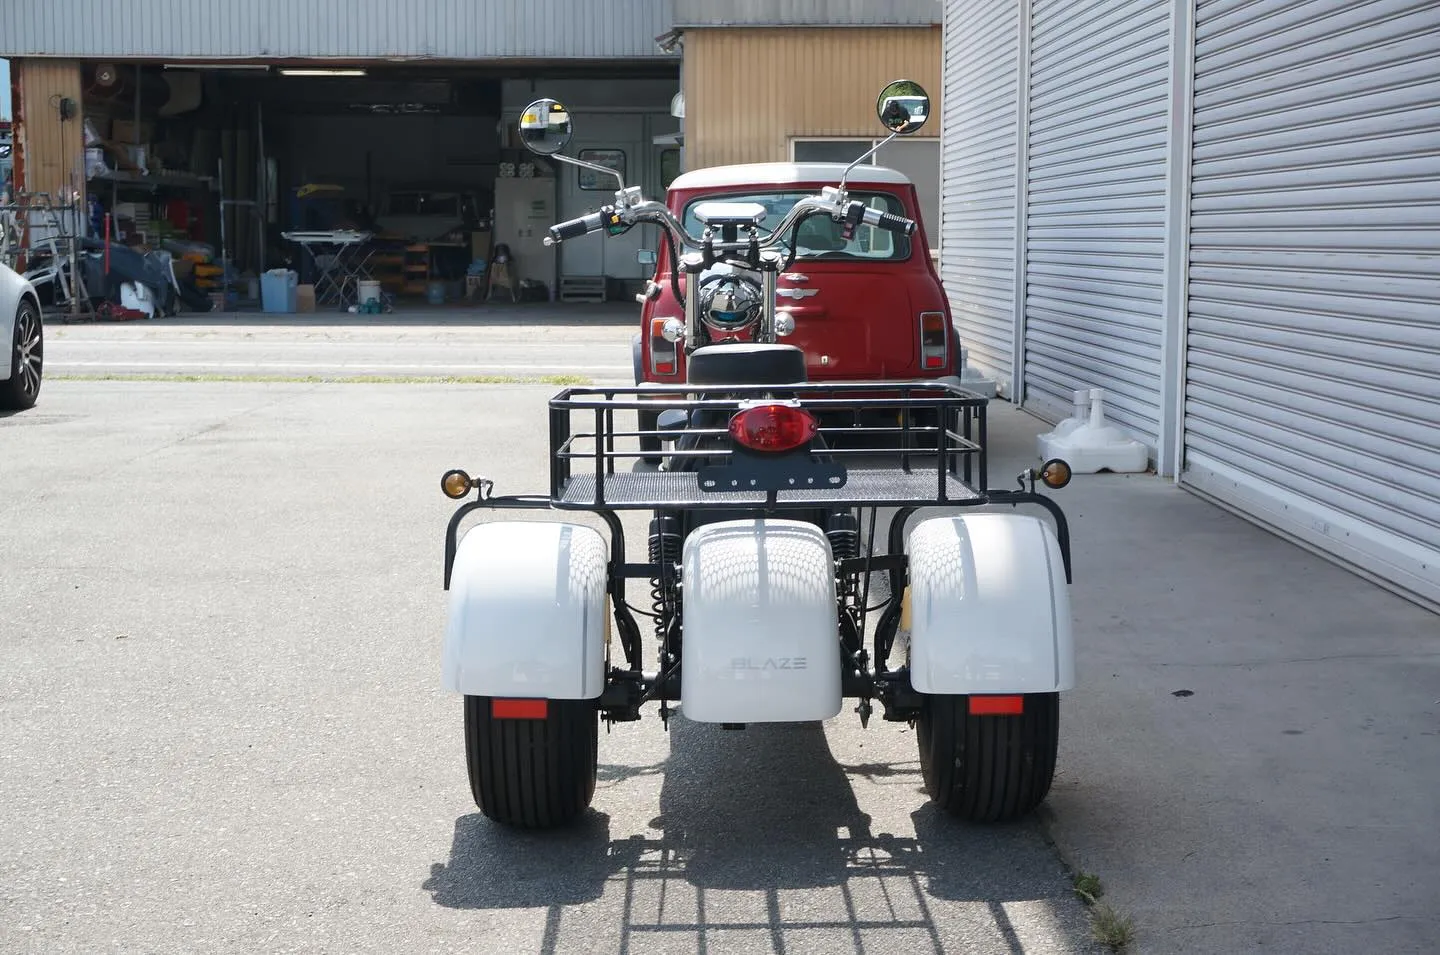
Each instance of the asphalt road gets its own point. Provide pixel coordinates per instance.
(221, 727)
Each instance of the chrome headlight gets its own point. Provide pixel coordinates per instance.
(731, 303)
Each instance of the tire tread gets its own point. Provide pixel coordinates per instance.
(988, 768)
(532, 774)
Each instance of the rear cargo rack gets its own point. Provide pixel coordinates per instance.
(934, 452)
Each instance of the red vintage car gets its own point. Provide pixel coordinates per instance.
(870, 308)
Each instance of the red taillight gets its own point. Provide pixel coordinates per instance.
(663, 352)
(934, 339)
(773, 427)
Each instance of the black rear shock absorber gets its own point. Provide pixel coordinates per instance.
(844, 534)
(665, 546)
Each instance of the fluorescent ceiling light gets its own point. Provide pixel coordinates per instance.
(216, 66)
(288, 72)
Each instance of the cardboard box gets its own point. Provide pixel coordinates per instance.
(304, 298)
(480, 245)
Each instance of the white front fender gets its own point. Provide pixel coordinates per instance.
(527, 612)
(989, 606)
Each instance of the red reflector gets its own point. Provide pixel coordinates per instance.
(773, 427)
(664, 368)
(997, 705)
(934, 361)
(519, 709)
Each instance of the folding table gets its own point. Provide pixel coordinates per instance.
(341, 258)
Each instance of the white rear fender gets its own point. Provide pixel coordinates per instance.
(761, 629)
(989, 606)
(527, 612)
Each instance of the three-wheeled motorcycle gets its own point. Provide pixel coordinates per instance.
(770, 596)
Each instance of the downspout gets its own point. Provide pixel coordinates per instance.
(683, 99)
(17, 151)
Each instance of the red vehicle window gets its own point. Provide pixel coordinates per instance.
(819, 236)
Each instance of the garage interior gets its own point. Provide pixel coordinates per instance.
(379, 186)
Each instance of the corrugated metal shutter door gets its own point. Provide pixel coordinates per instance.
(979, 113)
(1313, 355)
(1099, 100)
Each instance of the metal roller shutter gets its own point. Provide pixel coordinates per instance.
(1098, 120)
(979, 113)
(1313, 348)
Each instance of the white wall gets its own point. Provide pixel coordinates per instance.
(5, 112)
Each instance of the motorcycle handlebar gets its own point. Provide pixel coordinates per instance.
(576, 227)
(893, 223)
(657, 213)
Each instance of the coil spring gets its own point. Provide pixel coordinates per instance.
(844, 534)
(665, 550)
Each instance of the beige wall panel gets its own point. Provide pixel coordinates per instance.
(53, 150)
(748, 91)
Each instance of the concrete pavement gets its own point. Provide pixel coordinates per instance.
(221, 726)
(1249, 763)
(1252, 758)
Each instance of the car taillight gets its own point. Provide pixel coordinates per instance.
(662, 351)
(934, 340)
(773, 427)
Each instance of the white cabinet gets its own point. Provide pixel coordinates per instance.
(524, 209)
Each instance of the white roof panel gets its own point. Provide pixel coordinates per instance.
(783, 173)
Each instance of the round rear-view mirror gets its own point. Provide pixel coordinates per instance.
(903, 107)
(545, 127)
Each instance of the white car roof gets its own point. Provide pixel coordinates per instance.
(781, 173)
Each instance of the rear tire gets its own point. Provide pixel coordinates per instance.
(532, 773)
(988, 768)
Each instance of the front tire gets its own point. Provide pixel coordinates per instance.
(27, 360)
(532, 773)
(988, 768)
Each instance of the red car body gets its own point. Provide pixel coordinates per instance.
(874, 313)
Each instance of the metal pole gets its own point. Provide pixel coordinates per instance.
(224, 252)
(261, 187)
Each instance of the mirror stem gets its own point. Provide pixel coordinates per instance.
(873, 150)
(591, 166)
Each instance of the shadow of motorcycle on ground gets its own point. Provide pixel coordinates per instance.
(759, 835)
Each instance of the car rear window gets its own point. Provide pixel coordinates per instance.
(819, 236)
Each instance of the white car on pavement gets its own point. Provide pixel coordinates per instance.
(22, 331)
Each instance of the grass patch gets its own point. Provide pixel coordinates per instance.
(1088, 887)
(1109, 928)
(341, 379)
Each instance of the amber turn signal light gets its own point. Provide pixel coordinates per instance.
(456, 484)
(1055, 473)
